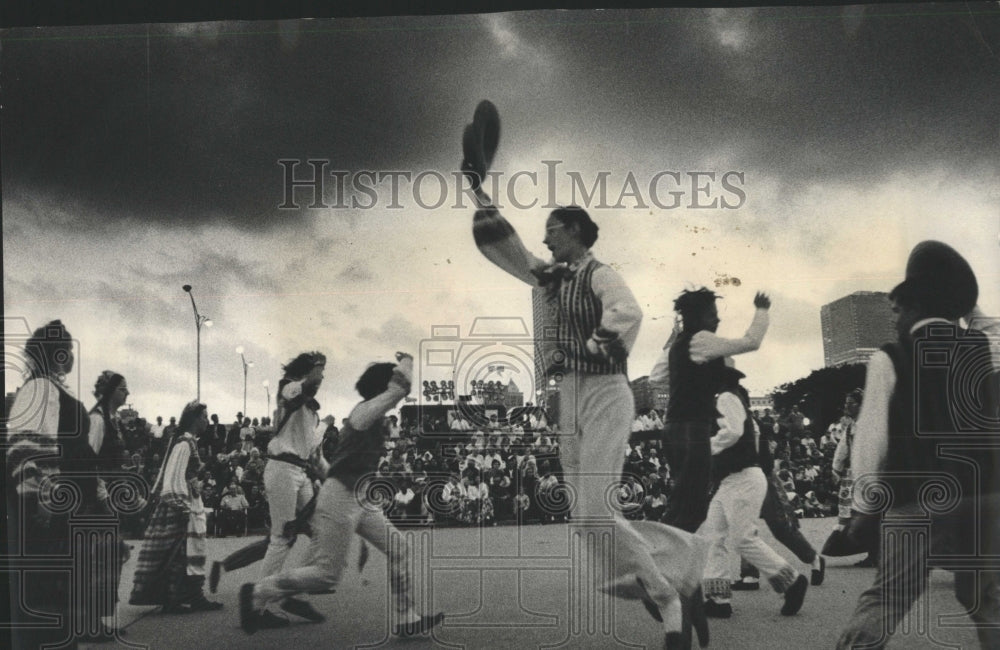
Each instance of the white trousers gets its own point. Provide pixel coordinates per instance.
(731, 528)
(288, 489)
(340, 514)
(595, 421)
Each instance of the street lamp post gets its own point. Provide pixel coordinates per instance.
(246, 364)
(267, 387)
(199, 320)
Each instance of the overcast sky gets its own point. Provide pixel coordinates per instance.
(137, 159)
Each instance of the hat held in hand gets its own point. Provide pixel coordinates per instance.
(479, 142)
(940, 280)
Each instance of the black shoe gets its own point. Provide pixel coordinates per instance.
(213, 577)
(202, 604)
(418, 627)
(699, 618)
(867, 563)
(267, 620)
(745, 586)
(713, 609)
(249, 618)
(675, 641)
(302, 609)
(818, 575)
(794, 597)
(648, 603)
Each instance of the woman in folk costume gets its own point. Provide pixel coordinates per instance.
(594, 319)
(111, 391)
(171, 566)
(45, 413)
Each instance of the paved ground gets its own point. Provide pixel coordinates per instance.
(518, 597)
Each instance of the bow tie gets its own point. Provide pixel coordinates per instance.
(552, 274)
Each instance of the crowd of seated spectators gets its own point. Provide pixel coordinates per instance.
(474, 470)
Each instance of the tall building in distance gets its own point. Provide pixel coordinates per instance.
(856, 326)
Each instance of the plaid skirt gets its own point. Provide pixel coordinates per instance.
(161, 574)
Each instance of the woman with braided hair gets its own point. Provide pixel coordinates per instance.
(111, 391)
(171, 566)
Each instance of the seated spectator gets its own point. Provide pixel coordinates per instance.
(453, 496)
(631, 497)
(232, 515)
(498, 482)
(253, 473)
(401, 501)
(485, 514)
(655, 504)
(546, 497)
(522, 505)
(257, 513)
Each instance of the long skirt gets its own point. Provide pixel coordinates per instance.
(162, 573)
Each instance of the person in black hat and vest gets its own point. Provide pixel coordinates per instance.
(926, 428)
(735, 508)
(691, 362)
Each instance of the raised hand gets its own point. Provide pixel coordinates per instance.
(762, 301)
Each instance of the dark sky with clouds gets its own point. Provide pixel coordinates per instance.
(179, 123)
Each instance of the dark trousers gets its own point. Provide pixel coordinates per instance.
(689, 455)
(902, 578)
(791, 538)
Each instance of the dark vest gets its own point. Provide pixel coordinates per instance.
(111, 455)
(357, 453)
(741, 455)
(573, 312)
(77, 458)
(692, 385)
(932, 407)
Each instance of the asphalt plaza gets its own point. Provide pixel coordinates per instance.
(510, 587)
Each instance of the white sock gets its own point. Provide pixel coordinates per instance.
(816, 562)
(673, 616)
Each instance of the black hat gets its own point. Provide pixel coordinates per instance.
(940, 280)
